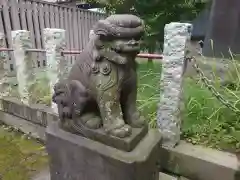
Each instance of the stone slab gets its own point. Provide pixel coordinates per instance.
(183, 178)
(164, 176)
(79, 158)
(45, 175)
(36, 113)
(34, 130)
(126, 144)
(197, 162)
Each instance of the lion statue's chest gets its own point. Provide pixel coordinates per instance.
(107, 74)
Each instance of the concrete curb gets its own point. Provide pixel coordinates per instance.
(200, 163)
(34, 130)
(193, 162)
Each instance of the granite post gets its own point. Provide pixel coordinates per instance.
(24, 63)
(54, 42)
(173, 65)
(4, 85)
(4, 88)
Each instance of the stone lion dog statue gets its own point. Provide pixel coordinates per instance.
(101, 88)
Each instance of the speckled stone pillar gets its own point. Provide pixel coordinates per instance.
(24, 63)
(4, 88)
(168, 116)
(54, 42)
(4, 85)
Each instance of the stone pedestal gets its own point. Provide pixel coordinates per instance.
(73, 157)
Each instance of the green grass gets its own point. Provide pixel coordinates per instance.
(20, 157)
(205, 120)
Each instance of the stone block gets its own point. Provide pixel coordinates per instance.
(164, 176)
(200, 163)
(27, 127)
(125, 144)
(35, 113)
(73, 157)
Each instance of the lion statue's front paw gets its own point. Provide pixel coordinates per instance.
(121, 132)
(91, 121)
(137, 120)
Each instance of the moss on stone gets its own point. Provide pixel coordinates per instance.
(20, 158)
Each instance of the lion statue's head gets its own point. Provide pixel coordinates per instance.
(117, 38)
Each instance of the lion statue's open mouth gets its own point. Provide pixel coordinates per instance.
(126, 47)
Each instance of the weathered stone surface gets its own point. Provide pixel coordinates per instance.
(125, 144)
(168, 118)
(101, 88)
(54, 42)
(197, 162)
(33, 130)
(4, 86)
(35, 113)
(183, 178)
(223, 30)
(78, 158)
(24, 63)
(164, 176)
(45, 175)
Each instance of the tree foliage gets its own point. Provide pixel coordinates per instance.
(155, 13)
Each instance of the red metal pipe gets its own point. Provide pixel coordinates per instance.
(36, 50)
(151, 56)
(71, 52)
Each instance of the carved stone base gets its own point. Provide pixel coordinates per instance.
(125, 144)
(73, 157)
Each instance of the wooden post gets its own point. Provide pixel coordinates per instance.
(168, 116)
(54, 42)
(24, 63)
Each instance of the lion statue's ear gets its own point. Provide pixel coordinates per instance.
(96, 46)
